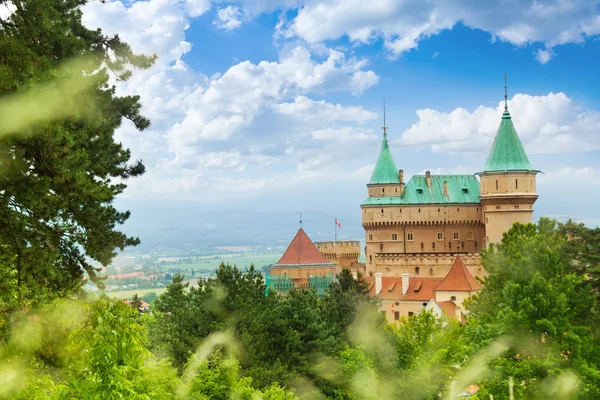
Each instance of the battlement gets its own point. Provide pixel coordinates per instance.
(339, 246)
(341, 253)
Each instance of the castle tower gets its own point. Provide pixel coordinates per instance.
(508, 182)
(386, 180)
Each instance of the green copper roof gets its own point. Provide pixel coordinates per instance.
(507, 152)
(462, 189)
(385, 170)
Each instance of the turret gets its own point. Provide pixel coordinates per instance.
(386, 180)
(508, 182)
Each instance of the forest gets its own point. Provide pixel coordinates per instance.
(532, 332)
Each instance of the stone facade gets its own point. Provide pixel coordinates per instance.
(419, 227)
(344, 254)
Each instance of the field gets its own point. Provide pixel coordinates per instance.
(212, 263)
(128, 294)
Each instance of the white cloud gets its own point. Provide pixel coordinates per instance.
(362, 174)
(402, 24)
(543, 55)
(228, 18)
(311, 110)
(195, 8)
(154, 26)
(545, 124)
(342, 134)
(589, 175)
(215, 133)
(241, 185)
(231, 102)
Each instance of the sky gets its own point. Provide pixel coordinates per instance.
(277, 105)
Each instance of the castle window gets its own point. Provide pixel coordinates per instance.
(400, 211)
(370, 236)
(496, 184)
(410, 237)
(370, 258)
(438, 210)
(469, 235)
(396, 315)
(453, 298)
(382, 190)
(382, 210)
(497, 207)
(516, 183)
(419, 210)
(396, 190)
(424, 304)
(458, 210)
(417, 269)
(517, 207)
(394, 236)
(455, 235)
(440, 236)
(477, 209)
(410, 313)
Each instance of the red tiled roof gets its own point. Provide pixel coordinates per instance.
(459, 279)
(448, 307)
(419, 289)
(143, 304)
(302, 251)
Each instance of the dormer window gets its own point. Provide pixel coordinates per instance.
(420, 190)
(465, 190)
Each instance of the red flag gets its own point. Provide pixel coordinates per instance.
(338, 223)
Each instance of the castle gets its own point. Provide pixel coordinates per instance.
(417, 227)
(423, 236)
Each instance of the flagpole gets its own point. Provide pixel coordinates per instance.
(335, 227)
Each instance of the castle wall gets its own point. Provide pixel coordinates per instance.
(422, 229)
(447, 295)
(293, 272)
(344, 254)
(506, 198)
(403, 308)
(423, 265)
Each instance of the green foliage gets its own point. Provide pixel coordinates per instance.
(149, 297)
(59, 172)
(136, 303)
(536, 294)
(83, 350)
(8, 287)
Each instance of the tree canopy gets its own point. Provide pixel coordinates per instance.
(61, 171)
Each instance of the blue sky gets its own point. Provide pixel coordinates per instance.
(277, 104)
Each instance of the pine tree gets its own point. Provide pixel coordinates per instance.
(60, 175)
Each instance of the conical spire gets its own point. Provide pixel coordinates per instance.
(385, 169)
(507, 153)
(302, 251)
(459, 279)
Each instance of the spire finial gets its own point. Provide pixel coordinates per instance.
(384, 127)
(505, 94)
(301, 220)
